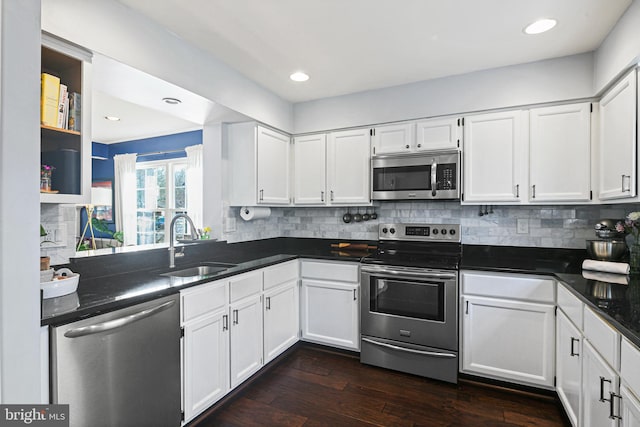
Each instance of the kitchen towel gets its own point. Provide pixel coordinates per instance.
(249, 213)
(600, 276)
(606, 266)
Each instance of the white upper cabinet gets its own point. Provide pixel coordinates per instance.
(258, 165)
(348, 167)
(618, 150)
(560, 153)
(393, 139)
(438, 134)
(494, 157)
(310, 163)
(273, 167)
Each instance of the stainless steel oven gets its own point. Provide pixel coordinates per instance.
(409, 311)
(429, 175)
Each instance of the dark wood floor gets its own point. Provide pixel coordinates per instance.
(314, 387)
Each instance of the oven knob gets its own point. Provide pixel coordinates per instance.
(384, 230)
(435, 231)
(452, 231)
(392, 231)
(444, 231)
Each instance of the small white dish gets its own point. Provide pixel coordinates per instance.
(46, 275)
(66, 284)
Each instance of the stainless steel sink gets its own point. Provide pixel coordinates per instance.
(205, 269)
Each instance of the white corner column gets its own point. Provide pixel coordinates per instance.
(19, 201)
(212, 177)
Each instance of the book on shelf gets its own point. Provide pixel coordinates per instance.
(63, 107)
(75, 111)
(49, 99)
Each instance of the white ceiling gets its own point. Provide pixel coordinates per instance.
(355, 45)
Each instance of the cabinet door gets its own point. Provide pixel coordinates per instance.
(273, 167)
(348, 167)
(510, 340)
(438, 134)
(394, 138)
(330, 313)
(568, 367)
(205, 362)
(246, 339)
(494, 150)
(617, 151)
(599, 381)
(281, 320)
(629, 408)
(560, 153)
(310, 158)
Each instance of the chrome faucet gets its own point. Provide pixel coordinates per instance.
(172, 249)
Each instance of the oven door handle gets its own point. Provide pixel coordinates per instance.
(406, 272)
(410, 350)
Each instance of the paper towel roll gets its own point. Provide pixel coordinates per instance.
(606, 266)
(249, 213)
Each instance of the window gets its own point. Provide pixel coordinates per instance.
(161, 193)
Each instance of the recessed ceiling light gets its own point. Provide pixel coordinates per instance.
(172, 101)
(112, 118)
(299, 76)
(540, 26)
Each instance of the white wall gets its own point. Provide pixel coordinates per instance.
(212, 178)
(620, 49)
(112, 29)
(19, 201)
(537, 82)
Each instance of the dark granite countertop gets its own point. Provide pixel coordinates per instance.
(114, 281)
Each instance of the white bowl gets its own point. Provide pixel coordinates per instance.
(59, 287)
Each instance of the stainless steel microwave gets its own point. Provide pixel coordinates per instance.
(423, 176)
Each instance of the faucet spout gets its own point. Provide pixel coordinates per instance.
(172, 249)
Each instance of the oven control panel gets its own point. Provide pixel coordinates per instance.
(420, 232)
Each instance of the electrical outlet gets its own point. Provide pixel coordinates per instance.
(55, 236)
(229, 225)
(523, 226)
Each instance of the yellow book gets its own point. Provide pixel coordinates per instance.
(49, 99)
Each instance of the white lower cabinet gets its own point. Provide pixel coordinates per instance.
(629, 408)
(568, 366)
(508, 327)
(330, 303)
(246, 338)
(206, 362)
(281, 319)
(599, 387)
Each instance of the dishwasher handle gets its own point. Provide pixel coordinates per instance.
(116, 323)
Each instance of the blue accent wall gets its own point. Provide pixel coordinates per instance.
(103, 169)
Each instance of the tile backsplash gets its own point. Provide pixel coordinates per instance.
(60, 221)
(540, 226)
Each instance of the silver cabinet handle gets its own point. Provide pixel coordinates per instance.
(517, 191)
(533, 191)
(629, 187)
(466, 311)
(612, 396)
(322, 196)
(409, 350)
(602, 381)
(573, 352)
(225, 322)
(116, 323)
(331, 194)
(354, 294)
(235, 317)
(261, 195)
(268, 303)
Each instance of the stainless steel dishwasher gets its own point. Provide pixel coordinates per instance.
(120, 368)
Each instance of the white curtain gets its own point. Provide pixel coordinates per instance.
(194, 184)
(124, 166)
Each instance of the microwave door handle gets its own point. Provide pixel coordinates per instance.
(434, 169)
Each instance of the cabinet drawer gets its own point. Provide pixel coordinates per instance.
(244, 285)
(203, 299)
(629, 362)
(510, 286)
(340, 271)
(602, 337)
(570, 305)
(281, 273)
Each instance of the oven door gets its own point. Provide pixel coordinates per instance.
(412, 305)
(417, 177)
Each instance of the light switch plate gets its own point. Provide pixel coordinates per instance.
(523, 226)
